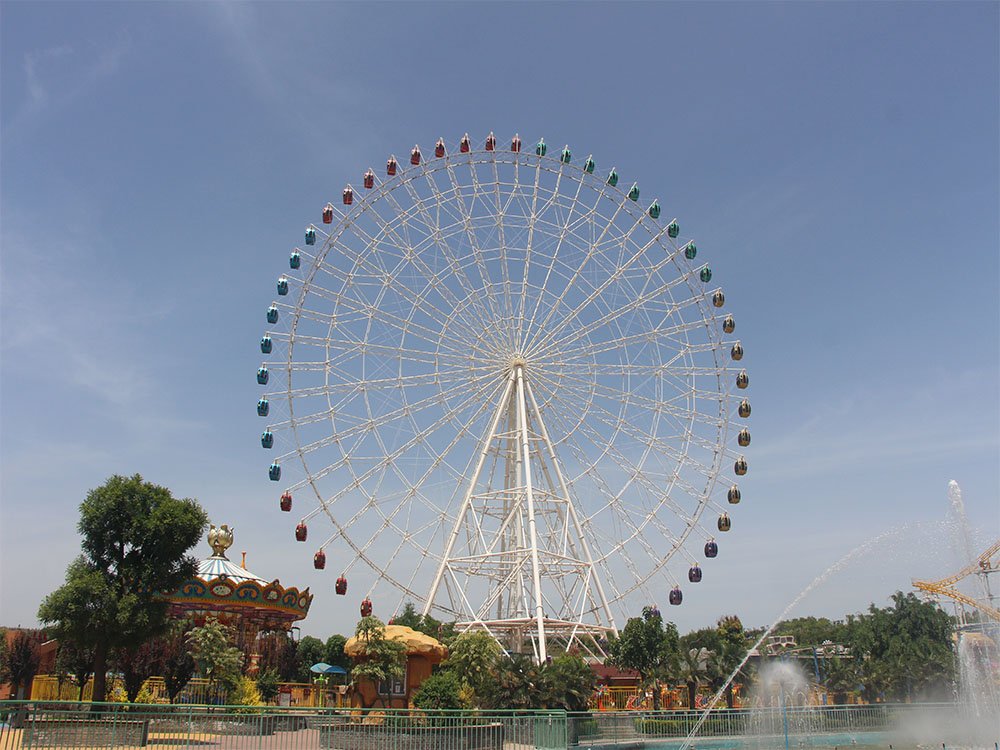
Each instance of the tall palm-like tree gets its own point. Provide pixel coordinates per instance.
(695, 668)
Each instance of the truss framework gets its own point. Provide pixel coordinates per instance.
(524, 538)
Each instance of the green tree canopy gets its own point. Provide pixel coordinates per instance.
(311, 650)
(812, 631)
(334, 651)
(732, 647)
(135, 539)
(473, 657)
(648, 646)
(903, 652)
(218, 660)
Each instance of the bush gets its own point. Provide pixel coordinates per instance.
(440, 690)
(246, 694)
(267, 684)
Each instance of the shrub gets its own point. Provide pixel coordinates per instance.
(440, 690)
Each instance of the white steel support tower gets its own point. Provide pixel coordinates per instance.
(518, 531)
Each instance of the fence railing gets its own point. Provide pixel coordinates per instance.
(44, 724)
(614, 727)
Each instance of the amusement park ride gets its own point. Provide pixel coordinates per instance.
(511, 391)
(982, 567)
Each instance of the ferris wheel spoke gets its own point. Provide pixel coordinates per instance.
(463, 217)
(415, 259)
(563, 230)
(635, 469)
(663, 406)
(578, 272)
(472, 238)
(602, 288)
(648, 303)
(387, 461)
(461, 277)
(363, 426)
(632, 531)
(352, 387)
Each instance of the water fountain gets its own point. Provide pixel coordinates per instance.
(780, 685)
(977, 726)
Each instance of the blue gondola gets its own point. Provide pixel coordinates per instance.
(274, 471)
(267, 439)
(262, 375)
(263, 407)
(294, 260)
(272, 314)
(265, 344)
(310, 236)
(282, 286)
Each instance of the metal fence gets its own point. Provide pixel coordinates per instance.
(39, 724)
(628, 727)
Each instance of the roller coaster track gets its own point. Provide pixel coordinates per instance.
(945, 587)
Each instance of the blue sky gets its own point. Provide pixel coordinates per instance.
(838, 163)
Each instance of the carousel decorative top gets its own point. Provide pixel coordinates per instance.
(232, 593)
(220, 539)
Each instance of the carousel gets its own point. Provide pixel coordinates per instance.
(231, 594)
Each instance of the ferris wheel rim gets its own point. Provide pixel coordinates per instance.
(404, 179)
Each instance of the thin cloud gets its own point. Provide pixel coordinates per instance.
(57, 76)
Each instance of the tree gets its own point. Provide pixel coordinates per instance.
(135, 539)
(77, 662)
(442, 690)
(137, 664)
(812, 631)
(334, 651)
(267, 684)
(20, 661)
(381, 660)
(840, 676)
(177, 665)
(424, 624)
(515, 683)
(568, 683)
(217, 658)
(473, 657)
(695, 668)
(647, 646)
(733, 645)
(903, 651)
(311, 650)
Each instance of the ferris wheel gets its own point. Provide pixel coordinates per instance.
(503, 387)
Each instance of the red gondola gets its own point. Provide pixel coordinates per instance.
(348, 198)
(341, 587)
(415, 155)
(366, 607)
(391, 166)
(369, 180)
(301, 532)
(286, 501)
(515, 144)
(439, 148)
(319, 560)
(491, 141)
(465, 144)
(328, 214)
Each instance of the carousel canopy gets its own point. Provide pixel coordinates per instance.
(232, 593)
